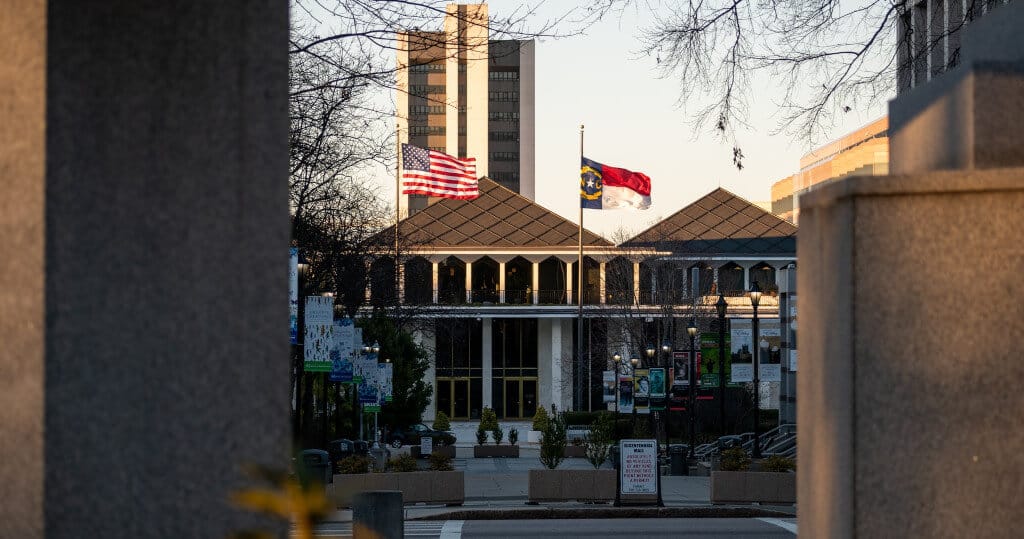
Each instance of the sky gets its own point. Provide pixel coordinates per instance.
(632, 120)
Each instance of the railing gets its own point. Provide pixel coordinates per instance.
(590, 297)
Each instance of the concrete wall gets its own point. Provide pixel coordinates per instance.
(143, 225)
(909, 356)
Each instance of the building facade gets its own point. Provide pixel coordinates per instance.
(461, 93)
(493, 286)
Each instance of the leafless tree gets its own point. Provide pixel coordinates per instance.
(829, 57)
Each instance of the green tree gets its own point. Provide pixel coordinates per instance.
(410, 392)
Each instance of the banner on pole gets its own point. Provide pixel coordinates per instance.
(342, 351)
(386, 372)
(368, 388)
(658, 390)
(608, 379)
(364, 364)
(293, 294)
(642, 392)
(319, 337)
(625, 394)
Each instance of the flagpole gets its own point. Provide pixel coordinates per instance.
(579, 315)
(398, 191)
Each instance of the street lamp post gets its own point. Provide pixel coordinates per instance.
(666, 351)
(634, 362)
(755, 299)
(691, 330)
(299, 366)
(651, 422)
(721, 307)
(616, 361)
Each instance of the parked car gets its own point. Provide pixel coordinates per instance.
(413, 434)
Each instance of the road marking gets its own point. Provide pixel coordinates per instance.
(452, 529)
(786, 525)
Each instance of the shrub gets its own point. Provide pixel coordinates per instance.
(403, 463)
(540, 420)
(499, 435)
(439, 462)
(488, 419)
(735, 460)
(513, 436)
(353, 465)
(778, 463)
(481, 436)
(552, 445)
(441, 422)
(580, 418)
(599, 442)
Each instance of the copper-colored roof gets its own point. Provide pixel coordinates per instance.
(720, 223)
(498, 218)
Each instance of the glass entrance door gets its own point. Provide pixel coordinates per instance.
(520, 398)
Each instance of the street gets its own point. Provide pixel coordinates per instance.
(559, 529)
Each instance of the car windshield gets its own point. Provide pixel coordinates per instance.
(421, 427)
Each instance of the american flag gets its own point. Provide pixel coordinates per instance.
(426, 172)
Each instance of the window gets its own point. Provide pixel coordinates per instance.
(504, 75)
(425, 89)
(426, 129)
(427, 68)
(420, 110)
(506, 177)
(504, 156)
(503, 116)
(504, 96)
(504, 136)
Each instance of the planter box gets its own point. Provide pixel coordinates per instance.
(495, 451)
(750, 487)
(445, 450)
(431, 487)
(575, 452)
(568, 485)
(534, 436)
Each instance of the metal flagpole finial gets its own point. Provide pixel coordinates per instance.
(581, 127)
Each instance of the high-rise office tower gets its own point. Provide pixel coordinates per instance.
(464, 94)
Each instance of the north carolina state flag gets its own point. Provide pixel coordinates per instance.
(603, 187)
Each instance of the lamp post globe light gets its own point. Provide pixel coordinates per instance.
(616, 361)
(691, 374)
(721, 308)
(755, 300)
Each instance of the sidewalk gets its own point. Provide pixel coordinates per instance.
(497, 488)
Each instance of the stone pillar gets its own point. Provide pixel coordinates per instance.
(434, 280)
(487, 359)
(909, 376)
(501, 282)
(536, 283)
(568, 283)
(601, 283)
(144, 221)
(556, 361)
(636, 283)
(378, 514)
(401, 283)
(469, 282)
(428, 340)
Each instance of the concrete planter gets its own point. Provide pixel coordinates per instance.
(534, 436)
(445, 450)
(495, 451)
(568, 485)
(430, 487)
(575, 452)
(750, 487)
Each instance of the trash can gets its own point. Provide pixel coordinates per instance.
(677, 460)
(315, 465)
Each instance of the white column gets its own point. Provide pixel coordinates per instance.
(427, 340)
(568, 283)
(746, 277)
(536, 283)
(601, 289)
(469, 282)
(501, 282)
(486, 342)
(433, 281)
(556, 361)
(401, 283)
(636, 283)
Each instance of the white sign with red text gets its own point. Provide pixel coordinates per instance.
(638, 465)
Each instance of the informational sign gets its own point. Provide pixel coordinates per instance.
(741, 347)
(608, 379)
(342, 351)
(319, 337)
(642, 391)
(638, 467)
(369, 395)
(625, 394)
(426, 445)
(365, 367)
(658, 389)
(293, 294)
(384, 373)
(770, 350)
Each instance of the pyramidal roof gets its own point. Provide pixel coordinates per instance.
(720, 223)
(498, 218)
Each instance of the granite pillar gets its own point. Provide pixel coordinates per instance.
(144, 157)
(910, 329)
